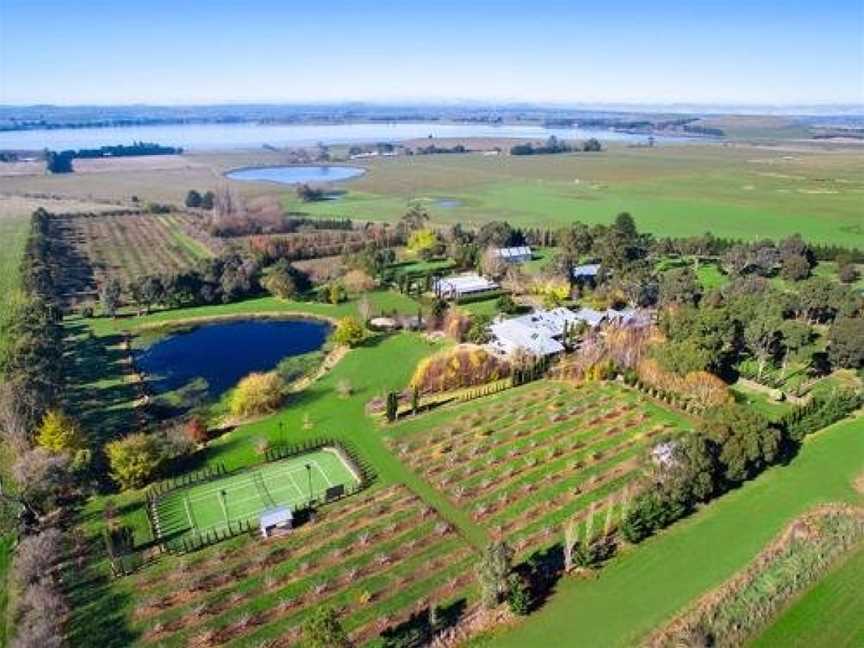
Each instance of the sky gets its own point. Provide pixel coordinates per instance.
(543, 51)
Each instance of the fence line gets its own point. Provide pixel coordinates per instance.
(199, 540)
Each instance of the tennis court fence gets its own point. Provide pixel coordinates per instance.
(194, 541)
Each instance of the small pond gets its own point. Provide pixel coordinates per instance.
(222, 353)
(296, 174)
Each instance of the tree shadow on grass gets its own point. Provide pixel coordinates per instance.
(99, 609)
(419, 629)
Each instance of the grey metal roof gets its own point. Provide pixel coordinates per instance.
(466, 283)
(520, 252)
(587, 270)
(273, 516)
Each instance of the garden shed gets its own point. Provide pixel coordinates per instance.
(279, 517)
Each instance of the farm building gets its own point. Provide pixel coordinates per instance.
(586, 274)
(519, 254)
(462, 285)
(540, 333)
(279, 517)
(626, 316)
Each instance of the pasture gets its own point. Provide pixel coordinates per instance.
(739, 190)
(240, 498)
(524, 462)
(733, 191)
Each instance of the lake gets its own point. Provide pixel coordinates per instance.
(223, 353)
(234, 136)
(296, 174)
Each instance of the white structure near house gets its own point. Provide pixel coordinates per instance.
(519, 254)
(591, 317)
(626, 316)
(279, 517)
(462, 285)
(540, 333)
(587, 272)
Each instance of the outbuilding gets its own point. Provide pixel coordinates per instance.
(519, 254)
(462, 285)
(279, 517)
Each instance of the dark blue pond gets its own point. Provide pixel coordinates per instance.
(221, 354)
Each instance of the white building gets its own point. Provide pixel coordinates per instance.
(462, 285)
(279, 517)
(519, 254)
(540, 333)
(626, 316)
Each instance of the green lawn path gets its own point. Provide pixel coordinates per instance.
(5, 563)
(645, 586)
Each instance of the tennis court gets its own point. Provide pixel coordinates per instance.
(242, 496)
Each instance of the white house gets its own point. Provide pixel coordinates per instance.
(462, 285)
(519, 254)
(540, 333)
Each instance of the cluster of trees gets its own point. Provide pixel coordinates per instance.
(792, 258)
(751, 318)
(40, 606)
(121, 150)
(61, 161)
(136, 458)
(310, 194)
(554, 145)
(258, 394)
(463, 366)
(196, 200)
(732, 444)
(432, 149)
(49, 452)
(226, 278)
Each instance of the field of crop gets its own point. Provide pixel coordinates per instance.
(533, 457)
(125, 247)
(378, 558)
(741, 191)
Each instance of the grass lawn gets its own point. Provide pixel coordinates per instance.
(710, 276)
(5, 563)
(380, 300)
(243, 496)
(645, 586)
(13, 235)
(830, 614)
(760, 402)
